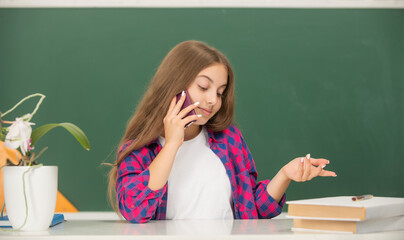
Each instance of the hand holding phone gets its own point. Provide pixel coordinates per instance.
(175, 120)
(187, 102)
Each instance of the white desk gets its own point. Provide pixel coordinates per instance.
(106, 225)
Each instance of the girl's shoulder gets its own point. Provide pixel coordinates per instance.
(232, 129)
(137, 157)
(144, 148)
(125, 145)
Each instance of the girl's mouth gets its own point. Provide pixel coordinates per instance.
(205, 112)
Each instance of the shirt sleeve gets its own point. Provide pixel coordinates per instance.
(137, 202)
(266, 206)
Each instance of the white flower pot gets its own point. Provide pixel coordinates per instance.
(40, 190)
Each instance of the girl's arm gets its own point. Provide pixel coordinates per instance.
(140, 189)
(298, 170)
(278, 185)
(161, 166)
(174, 123)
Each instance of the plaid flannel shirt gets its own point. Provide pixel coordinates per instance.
(139, 204)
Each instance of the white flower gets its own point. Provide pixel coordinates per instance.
(19, 134)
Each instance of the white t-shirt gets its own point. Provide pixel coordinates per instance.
(198, 186)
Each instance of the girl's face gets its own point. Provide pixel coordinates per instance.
(207, 89)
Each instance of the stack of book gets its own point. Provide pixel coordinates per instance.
(343, 215)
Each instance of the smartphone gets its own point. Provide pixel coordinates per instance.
(187, 102)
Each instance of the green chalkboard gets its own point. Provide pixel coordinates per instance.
(327, 82)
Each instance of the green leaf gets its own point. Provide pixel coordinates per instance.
(73, 129)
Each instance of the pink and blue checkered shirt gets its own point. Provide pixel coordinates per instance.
(139, 204)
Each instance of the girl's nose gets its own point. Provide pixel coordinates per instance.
(212, 98)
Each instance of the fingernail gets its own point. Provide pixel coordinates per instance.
(328, 162)
(335, 175)
(182, 94)
(199, 115)
(301, 160)
(308, 156)
(323, 166)
(196, 104)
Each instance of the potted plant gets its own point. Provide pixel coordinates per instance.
(30, 188)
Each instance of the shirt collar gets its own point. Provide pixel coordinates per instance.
(215, 136)
(153, 142)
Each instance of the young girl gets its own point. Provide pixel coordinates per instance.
(204, 171)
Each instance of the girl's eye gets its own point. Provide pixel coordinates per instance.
(204, 89)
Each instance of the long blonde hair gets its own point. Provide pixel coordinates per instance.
(176, 72)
